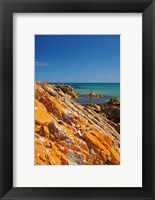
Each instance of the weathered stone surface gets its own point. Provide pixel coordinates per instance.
(110, 110)
(67, 89)
(94, 107)
(66, 133)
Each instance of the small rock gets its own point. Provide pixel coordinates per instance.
(60, 121)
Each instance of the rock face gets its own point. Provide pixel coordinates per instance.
(111, 110)
(68, 90)
(66, 133)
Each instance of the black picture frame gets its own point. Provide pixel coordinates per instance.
(7, 8)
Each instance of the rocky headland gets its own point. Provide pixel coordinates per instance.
(67, 133)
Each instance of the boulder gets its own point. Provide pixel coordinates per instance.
(92, 94)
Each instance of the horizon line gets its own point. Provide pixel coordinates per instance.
(75, 82)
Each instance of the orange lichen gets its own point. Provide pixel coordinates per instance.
(66, 133)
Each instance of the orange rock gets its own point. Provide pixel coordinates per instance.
(37, 128)
(40, 154)
(41, 116)
(67, 134)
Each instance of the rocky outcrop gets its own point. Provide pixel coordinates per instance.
(111, 110)
(67, 89)
(93, 95)
(66, 133)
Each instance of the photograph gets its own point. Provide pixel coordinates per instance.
(77, 100)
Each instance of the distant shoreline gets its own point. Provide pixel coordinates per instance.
(105, 89)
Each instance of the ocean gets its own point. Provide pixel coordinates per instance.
(108, 90)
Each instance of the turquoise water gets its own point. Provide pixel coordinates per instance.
(106, 89)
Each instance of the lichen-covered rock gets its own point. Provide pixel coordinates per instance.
(66, 133)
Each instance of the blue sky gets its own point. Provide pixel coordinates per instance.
(77, 58)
